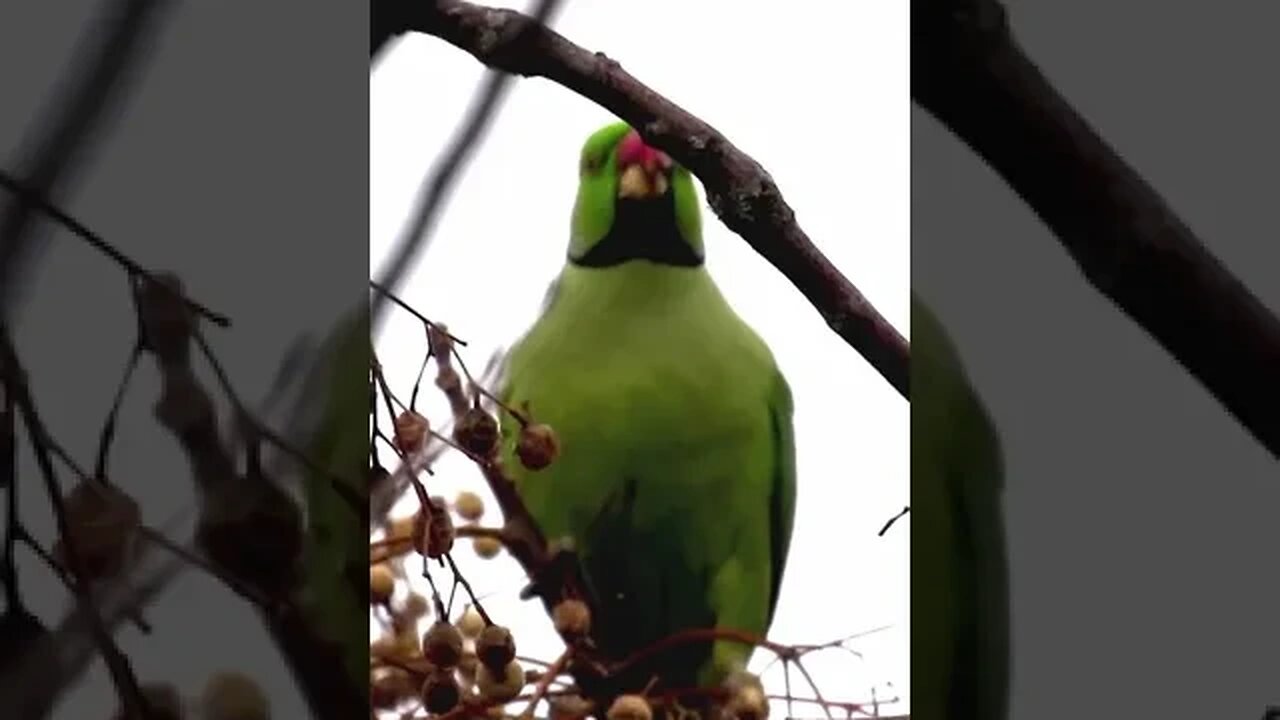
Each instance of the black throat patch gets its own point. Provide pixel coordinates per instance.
(642, 230)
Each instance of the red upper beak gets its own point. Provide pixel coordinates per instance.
(633, 151)
(642, 170)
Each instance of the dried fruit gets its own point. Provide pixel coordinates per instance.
(537, 446)
(433, 532)
(470, 624)
(495, 647)
(469, 505)
(477, 432)
(630, 707)
(382, 583)
(402, 528)
(469, 664)
(233, 696)
(442, 645)
(408, 644)
(385, 646)
(747, 700)
(440, 692)
(572, 619)
(378, 475)
(416, 606)
(388, 686)
(103, 527)
(486, 547)
(503, 686)
(569, 707)
(410, 431)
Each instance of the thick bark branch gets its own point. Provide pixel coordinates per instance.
(738, 189)
(970, 73)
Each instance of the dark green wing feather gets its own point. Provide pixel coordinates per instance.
(783, 505)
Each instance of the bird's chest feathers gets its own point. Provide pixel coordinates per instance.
(669, 379)
(654, 395)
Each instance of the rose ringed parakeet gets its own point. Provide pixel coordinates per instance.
(675, 479)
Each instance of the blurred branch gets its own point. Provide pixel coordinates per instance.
(492, 90)
(35, 201)
(118, 666)
(738, 189)
(248, 525)
(969, 72)
(61, 658)
(113, 42)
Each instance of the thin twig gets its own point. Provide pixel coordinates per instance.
(194, 558)
(97, 242)
(382, 290)
(343, 488)
(61, 658)
(889, 523)
(9, 482)
(544, 683)
(118, 666)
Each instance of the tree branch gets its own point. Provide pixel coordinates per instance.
(60, 659)
(241, 516)
(118, 666)
(738, 189)
(969, 72)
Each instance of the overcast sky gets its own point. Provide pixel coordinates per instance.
(819, 96)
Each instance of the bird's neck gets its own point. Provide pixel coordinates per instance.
(642, 230)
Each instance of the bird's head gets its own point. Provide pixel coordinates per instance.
(634, 203)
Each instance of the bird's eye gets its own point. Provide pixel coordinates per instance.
(590, 163)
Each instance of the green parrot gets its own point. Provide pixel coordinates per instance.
(959, 572)
(675, 479)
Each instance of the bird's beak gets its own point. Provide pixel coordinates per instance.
(644, 172)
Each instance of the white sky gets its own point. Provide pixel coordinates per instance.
(819, 95)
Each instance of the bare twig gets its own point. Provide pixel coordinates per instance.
(118, 666)
(970, 73)
(97, 242)
(385, 292)
(889, 523)
(186, 410)
(544, 684)
(195, 559)
(738, 189)
(9, 483)
(61, 658)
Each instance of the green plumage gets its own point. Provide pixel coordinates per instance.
(959, 597)
(676, 477)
